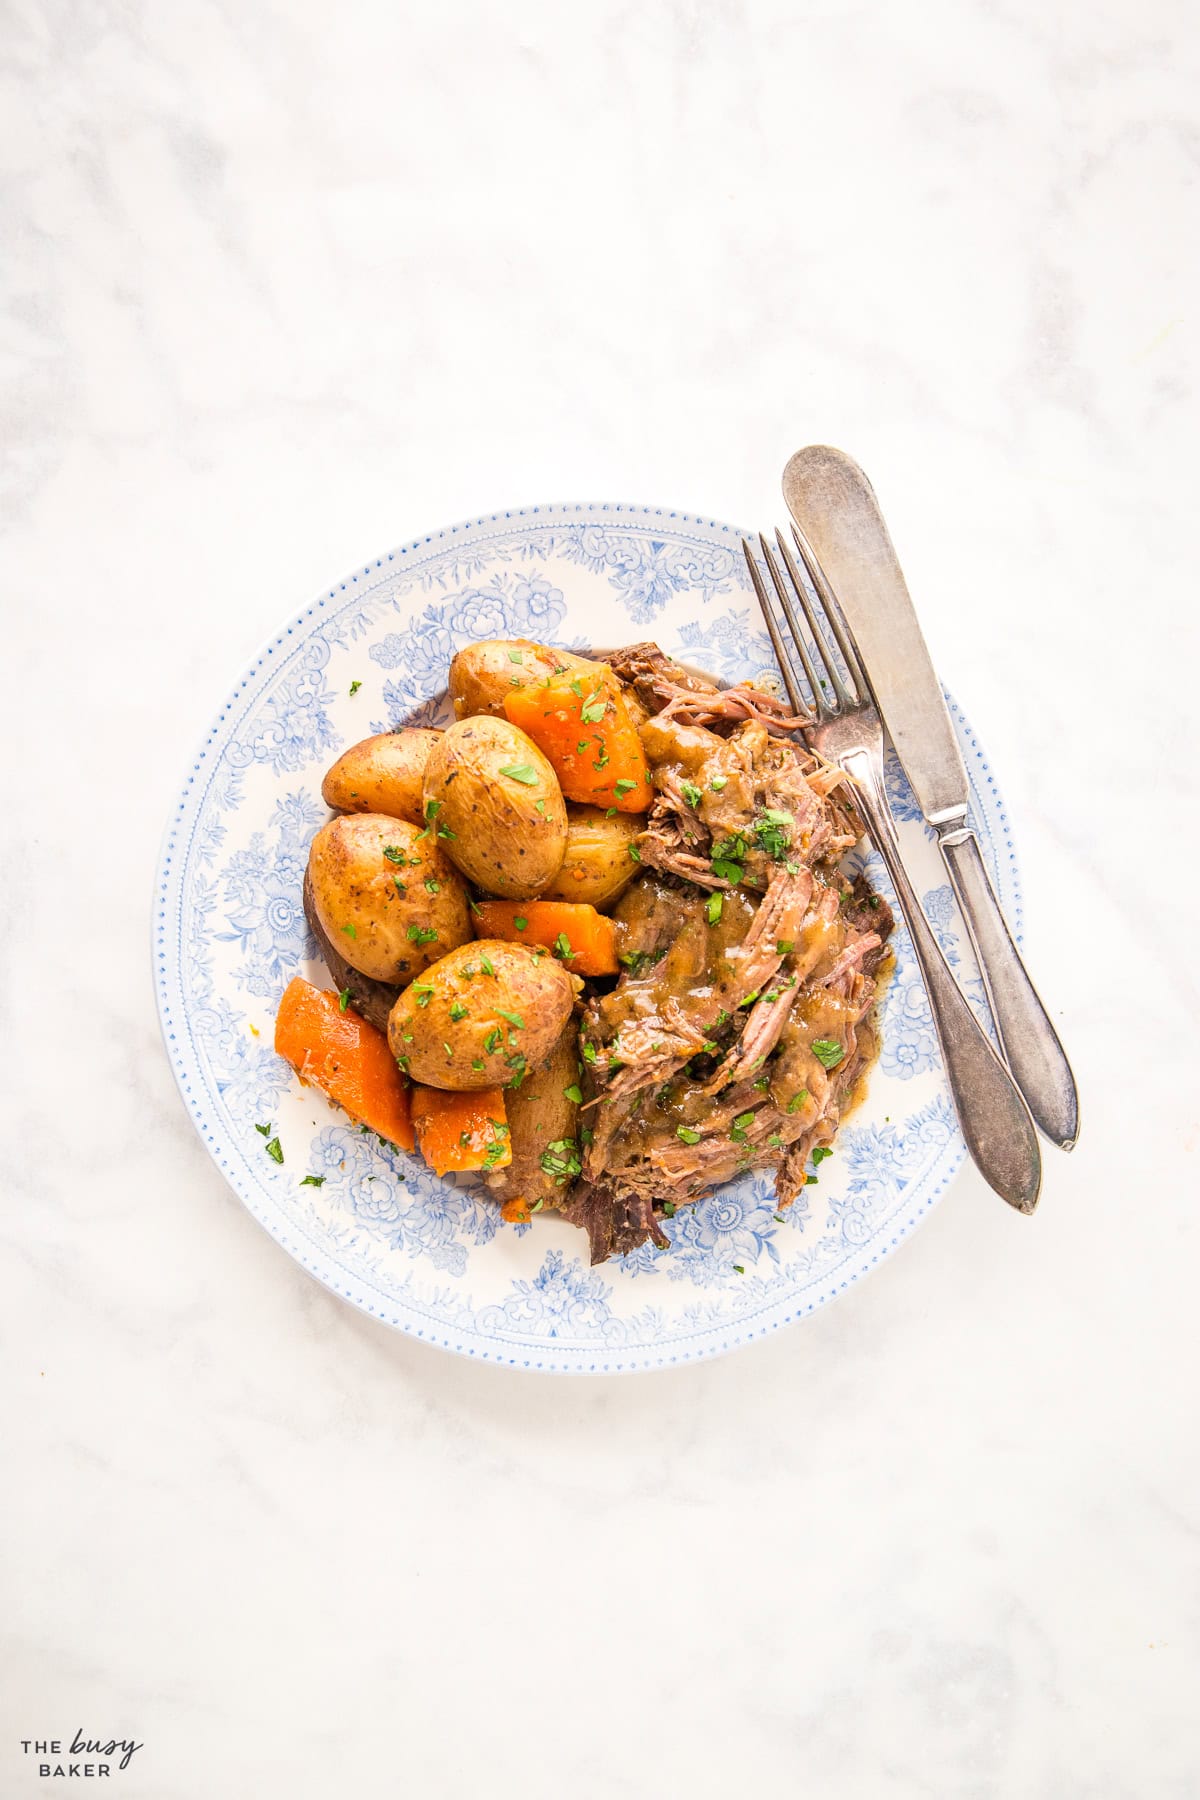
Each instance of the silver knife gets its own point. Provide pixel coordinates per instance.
(834, 505)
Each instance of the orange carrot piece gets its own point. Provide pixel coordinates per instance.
(582, 726)
(584, 939)
(461, 1131)
(346, 1058)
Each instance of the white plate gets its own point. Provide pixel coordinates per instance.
(430, 1255)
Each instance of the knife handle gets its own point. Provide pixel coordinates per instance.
(1031, 1045)
(995, 1120)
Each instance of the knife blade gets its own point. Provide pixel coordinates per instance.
(835, 507)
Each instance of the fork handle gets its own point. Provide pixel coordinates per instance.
(995, 1120)
(1031, 1044)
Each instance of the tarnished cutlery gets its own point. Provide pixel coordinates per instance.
(834, 506)
(847, 731)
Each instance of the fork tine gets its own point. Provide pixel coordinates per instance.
(833, 612)
(794, 626)
(781, 654)
(820, 644)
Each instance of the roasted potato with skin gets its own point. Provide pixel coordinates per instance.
(386, 896)
(496, 806)
(540, 1113)
(382, 775)
(482, 674)
(597, 866)
(373, 1000)
(483, 1016)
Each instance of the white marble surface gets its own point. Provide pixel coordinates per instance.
(287, 284)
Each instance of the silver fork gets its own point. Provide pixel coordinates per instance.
(848, 732)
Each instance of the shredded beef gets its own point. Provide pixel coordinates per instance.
(743, 946)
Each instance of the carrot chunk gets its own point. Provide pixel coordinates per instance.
(584, 939)
(346, 1058)
(582, 726)
(458, 1131)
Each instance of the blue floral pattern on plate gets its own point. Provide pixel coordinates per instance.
(432, 1256)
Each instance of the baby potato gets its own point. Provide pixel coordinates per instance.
(382, 775)
(483, 1016)
(385, 895)
(597, 866)
(497, 807)
(543, 1111)
(482, 674)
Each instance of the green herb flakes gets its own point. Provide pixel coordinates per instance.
(828, 1052)
(713, 908)
(521, 772)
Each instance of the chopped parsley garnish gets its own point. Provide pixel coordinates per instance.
(448, 1050)
(351, 931)
(577, 687)
(713, 907)
(513, 1018)
(474, 906)
(561, 1159)
(421, 934)
(486, 964)
(623, 787)
(520, 772)
(820, 1153)
(574, 1094)
(774, 1140)
(493, 1040)
(457, 1010)
(343, 999)
(635, 853)
(432, 885)
(589, 1051)
(399, 885)
(275, 1150)
(395, 855)
(772, 832)
(402, 1064)
(737, 1130)
(594, 711)
(424, 992)
(313, 1181)
(763, 1083)
(668, 1209)
(691, 793)
(828, 1052)
(493, 1154)
(718, 782)
(784, 947)
(686, 1135)
(263, 1130)
(519, 1067)
(432, 808)
(520, 924)
(738, 1269)
(581, 747)
(516, 656)
(797, 1100)
(354, 687)
(562, 947)
(477, 1064)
